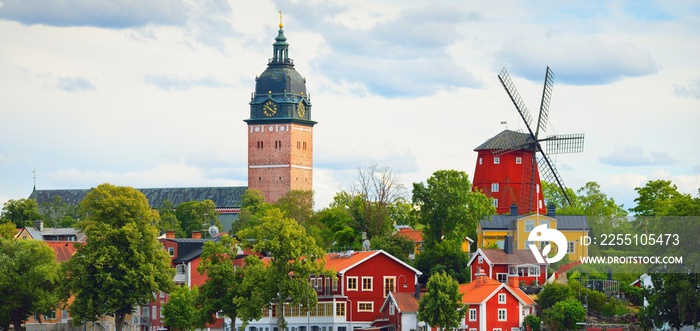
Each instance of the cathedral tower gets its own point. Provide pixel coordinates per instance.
(280, 129)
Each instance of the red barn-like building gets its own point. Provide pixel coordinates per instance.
(504, 172)
(498, 264)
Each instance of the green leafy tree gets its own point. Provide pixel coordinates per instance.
(446, 256)
(22, 212)
(533, 322)
(168, 219)
(564, 315)
(56, 213)
(122, 263)
(297, 204)
(442, 306)
(293, 257)
(449, 210)
(656, 198)
(180, 312)
(551, 294)
(396, 245)
(224, 290)
(7, 230)
(197, 215)
(252, 204)
(338, 222)
(28, 279)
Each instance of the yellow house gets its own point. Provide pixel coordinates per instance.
(491, 234)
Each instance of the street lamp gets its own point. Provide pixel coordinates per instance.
(405, 285)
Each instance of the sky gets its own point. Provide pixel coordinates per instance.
(154, 93)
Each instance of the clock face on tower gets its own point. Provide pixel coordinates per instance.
(269, 108)
(301, 109)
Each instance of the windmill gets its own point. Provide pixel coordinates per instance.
(531, 141)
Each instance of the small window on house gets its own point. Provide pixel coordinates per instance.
(494, 187)
(501, 298)
(529, 225)
(392, 310)
(518, 160)
(503, 314)
(494, 202)
(496, 160)
(480, 259)
(352, 283)
(570, 247)
(171, 251)
(340, 309)
(366, 283)
(365, 306)
(545, 222)
(472, 314)
(481, 161)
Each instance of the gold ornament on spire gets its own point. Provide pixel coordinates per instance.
(281, 25)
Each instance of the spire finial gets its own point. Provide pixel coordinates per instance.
(281, 25)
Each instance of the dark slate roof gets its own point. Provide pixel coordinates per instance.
(507, 222)
(507, 139)
(189, 249)
(223, 197)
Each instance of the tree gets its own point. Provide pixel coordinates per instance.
(446, 256)
(673, 300)
(293, 258)
(224, 291)
(28, 279)
(397, 245)
(442, 306)
(122, 263)
(533, 322)
(180, 312)
(449, 210)
(564, 315)
(7, 230)
(297, 204)
(22, 213)
(655, 198)
(252, 204)
(57, 213)
(371, 199)
(197, 215)
(551, 294)
(168, 219)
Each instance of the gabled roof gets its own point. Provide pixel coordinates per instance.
(405, 302)
(483, 288)
(495, 256)
(507, 139)
(342, 262)
(223, 197)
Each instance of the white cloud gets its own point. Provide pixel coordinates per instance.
(74, 84)
(690, 90)
(632, 156)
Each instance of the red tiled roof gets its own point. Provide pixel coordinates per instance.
(340, 261)
(406, 301)
(482, 287)
(415, 235)
(63, 249)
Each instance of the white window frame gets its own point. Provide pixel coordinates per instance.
(501, 298)
(529, 225)
(472, 314)
(495, 187)
(371, 284)
(480, 259)
(392, 309)
(518, 160)
(504, 312)
(369, 304)
(347, 280)
(481, 160)
(570, 247)
(496, 160)
(494, 202)
(502, 277)
(545, 222)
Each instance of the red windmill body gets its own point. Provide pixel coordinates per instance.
(507, 166)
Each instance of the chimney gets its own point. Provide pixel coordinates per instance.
(196, 235)
(39, 225)
(480, 277)
(513, 281)
(551, 210)
(513, 210)
(508, 245)
(170, 234)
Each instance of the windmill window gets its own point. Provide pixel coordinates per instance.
(481, 160)
(518, 160)
(494, 187)
(496, 160)
(495, 202)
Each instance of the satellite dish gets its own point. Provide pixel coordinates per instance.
(213, 230)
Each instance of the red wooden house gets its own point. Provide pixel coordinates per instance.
(494, 306)
(352, 298)
(501, 264)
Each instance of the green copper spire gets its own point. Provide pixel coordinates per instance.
(280, 48)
